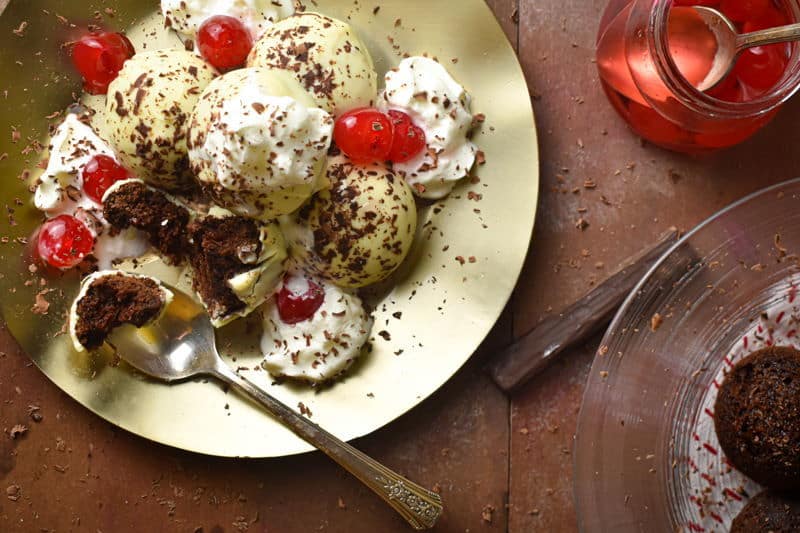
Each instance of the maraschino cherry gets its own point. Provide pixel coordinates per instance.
(224, 42)
(64, 241)
(409, 139)
(100, 173)
(761, 67)
(99, 57)
(368, 135)
(299, 299)
(364, 135)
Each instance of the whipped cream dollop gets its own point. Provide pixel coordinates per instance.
(59, 191)
(422, 88)
(321, 348)
(259, 143)
(86, 285)
(186, 16)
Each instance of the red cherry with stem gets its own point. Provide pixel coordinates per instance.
(744, 10)
(409, 139)
(64, 241)
(299, 299)
(364, 135)
(224, 42)
(100, 173)
(99, 57)
(761, 67)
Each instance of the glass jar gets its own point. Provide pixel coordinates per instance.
(639, 73)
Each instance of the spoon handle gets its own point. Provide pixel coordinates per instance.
(780, 34)
(419, 506)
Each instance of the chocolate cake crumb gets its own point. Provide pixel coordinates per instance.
(35, 412)
(13, 492)
(304, 410)
(41, 306)
(216, 244)
(655, 322)
(112, 301)
(136, 205)
(20, 31)
(18, 431)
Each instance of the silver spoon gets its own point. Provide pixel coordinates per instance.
(182, 345)
(730, 43)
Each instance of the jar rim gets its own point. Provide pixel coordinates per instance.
(689, 96)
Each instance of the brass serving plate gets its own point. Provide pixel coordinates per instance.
(447, 307)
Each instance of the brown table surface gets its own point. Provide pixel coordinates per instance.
(501, 464)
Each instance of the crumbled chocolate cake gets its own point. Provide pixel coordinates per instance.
(114, 300)
(757, 417)
(134, 204)
(769, 512)
(220, 250)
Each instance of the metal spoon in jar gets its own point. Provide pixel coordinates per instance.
(182, 345)
(730, 43)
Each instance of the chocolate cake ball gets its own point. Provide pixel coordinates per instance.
(769, 512)
(109, 299)
(757, 417)
(132, 203)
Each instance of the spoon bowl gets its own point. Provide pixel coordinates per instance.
(731, 43)
(176, 347)
(725, 34)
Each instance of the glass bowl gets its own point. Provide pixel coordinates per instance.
(647, 457)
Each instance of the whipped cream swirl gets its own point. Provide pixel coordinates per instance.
(261, 154)
(321, 348)
(423, 89)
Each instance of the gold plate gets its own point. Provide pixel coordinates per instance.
(447, 307)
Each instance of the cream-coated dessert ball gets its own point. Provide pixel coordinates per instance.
(147, 113)
(325, 55)
(357, 232)
(258, 143)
